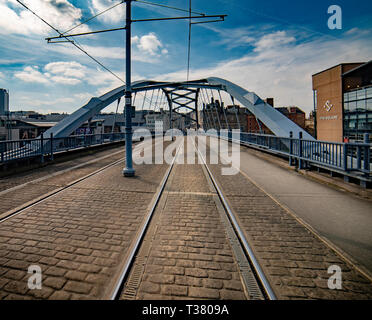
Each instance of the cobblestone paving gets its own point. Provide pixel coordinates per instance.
(15, 198)
(294, 259)
(79, 237)
(190, 256)
(27, 176)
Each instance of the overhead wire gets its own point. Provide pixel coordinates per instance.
(71, 41)
(95, 16)
(189, 44)
(169, 7)
(74, 42)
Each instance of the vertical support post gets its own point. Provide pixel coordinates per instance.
(366, 153)
(290, 147)
(171, 115)
(128, 170)
(2, 144)
(300, 166)
(359, 157)
(42, 147)
(197, 109)
(344, 155)
(51, 147)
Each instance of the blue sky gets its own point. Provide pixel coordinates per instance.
(269, 47)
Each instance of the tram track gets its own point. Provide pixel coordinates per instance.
(43, 197)
(118, 287)
(259, 286)
(254, 282)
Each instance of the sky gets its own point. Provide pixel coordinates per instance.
(269, 47)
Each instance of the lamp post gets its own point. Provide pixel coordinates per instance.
(128, 170)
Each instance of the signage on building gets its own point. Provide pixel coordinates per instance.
(328, 106)
(329, 118)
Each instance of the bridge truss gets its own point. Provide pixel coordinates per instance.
(189, 100)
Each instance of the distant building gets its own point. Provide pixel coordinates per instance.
(156, 120)
(256, 126)
(215, 116)
(343, 102)
(310, 124)
(293, 113)
(12, 128)
(4, 102)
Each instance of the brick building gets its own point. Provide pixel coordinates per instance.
(343, 102)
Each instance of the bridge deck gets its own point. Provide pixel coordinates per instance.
(81, 236)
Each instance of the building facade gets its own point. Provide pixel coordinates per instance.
(342, 102)
(4, 102)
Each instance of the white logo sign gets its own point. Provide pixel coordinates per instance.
(34, 281)
(335, 20)
(335, 281)
(328, 106)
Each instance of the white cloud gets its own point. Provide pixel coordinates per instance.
(67, 69)
(273, 40)
(147, 48)
(31, 74)
(59, 13)
(281, 66)
(61, 72)
(112, 16)
(149, 43)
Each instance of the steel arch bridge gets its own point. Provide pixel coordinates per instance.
(193, 98)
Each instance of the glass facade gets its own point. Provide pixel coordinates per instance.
(358, 113)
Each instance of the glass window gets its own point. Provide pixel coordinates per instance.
(361, 94)
(352, 95)
(361, 105)
(362, 123)
(352, 124)
(352, 106)
(346, 107)
(369, 122)
(369, 92)
(369, 104)
(346, 97)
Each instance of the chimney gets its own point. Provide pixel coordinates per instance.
(270, 101)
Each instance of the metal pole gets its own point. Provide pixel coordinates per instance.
(128, 170)
(366, 154)
(51, 146)
(300, 166)
(290, 147)
(42, 147)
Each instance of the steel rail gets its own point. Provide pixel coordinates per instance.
(248, 250)
(132, 255)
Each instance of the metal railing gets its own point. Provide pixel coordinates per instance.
(353, 159)
(46, 147)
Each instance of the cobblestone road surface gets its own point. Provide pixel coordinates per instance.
(33, 184)
(79, 237)
(189, 255)
(293, 258)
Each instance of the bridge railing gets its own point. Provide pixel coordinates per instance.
(46, 147)
(350, 159)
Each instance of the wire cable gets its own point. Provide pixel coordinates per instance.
(189, 45)
(169, 7)
(93, 17)
(71, 41)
